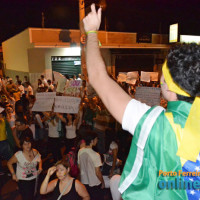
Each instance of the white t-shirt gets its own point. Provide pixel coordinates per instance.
(88, 160)
(30, 90)
(44, 81)
(53, 129)
(132, 115)
(26, 170)
(70, 131)
(51, 87)
(21, 88)
(108, 157)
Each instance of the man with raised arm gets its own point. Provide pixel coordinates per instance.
(164, 142)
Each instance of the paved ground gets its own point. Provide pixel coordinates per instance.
(8, 189)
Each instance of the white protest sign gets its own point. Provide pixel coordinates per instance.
(73, 89)
(132, 77)
(43, 105)
(45, 95)
(75, 83)
(64, 104)
(57, 76)
(121, 77)
(44, 101)
(61, 85)
(148, 95)
(145, 76)
(154, 76)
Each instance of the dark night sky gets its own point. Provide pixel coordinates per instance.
(149, 16)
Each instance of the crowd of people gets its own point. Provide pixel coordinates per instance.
(84, 148)
(86, 145)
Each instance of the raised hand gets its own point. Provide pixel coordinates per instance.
(51, 170)
(93, 20)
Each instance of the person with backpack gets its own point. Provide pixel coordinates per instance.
(71, 158)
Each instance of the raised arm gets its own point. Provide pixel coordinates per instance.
(47, 187)
(61, 117)
(112, 95)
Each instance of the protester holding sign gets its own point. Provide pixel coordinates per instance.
(54, 144)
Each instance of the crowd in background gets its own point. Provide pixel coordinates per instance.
(61, 136)
(45, 138)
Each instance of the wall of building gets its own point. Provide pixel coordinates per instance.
(15, 53)
(39, 60)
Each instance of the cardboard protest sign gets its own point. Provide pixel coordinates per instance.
(145, 76)
(154, 76)
(61, 85)
(43, 105)
(75, 83)
(148, 95)
(45, 95)
(65, 104)
(57, 76)
(132, 77)
(44, 101)
(73, 88)
(122, 77)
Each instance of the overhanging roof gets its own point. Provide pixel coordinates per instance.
(61, 38)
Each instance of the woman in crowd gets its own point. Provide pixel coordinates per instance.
(28, 89)
(10, 116)
(27, 161)
(71, 121)
(40, 86)
(111, 162)
(71, 124)
(64, 187)
(54, 143)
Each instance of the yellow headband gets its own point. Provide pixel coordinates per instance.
(190, 144)
(172, 86)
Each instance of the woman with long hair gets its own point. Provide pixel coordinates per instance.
(26, 174)
(64, 187)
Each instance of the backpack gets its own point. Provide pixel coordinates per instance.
(71, 158)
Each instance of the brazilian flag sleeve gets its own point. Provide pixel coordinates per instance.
(153, 148)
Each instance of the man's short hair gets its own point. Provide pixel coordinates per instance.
(183, 61)
(89, 136)
(19, 82)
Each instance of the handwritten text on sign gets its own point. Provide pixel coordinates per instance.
(42, 105)
(45, 95)
(74, 88)
(44, 101)
(64, 104)
(148, 95)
